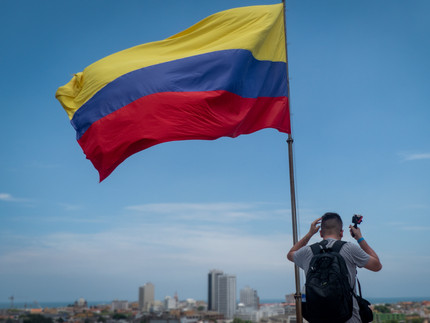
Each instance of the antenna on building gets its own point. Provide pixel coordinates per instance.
(11, 301)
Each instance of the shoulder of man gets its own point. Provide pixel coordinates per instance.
(302, 256)
(303, 250)
(353, 253)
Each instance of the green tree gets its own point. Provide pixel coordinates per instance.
(238, 320)
(37, 318)
(382, 309)
(416, 320)
(119, 316)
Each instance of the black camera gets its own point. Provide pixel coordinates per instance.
(356, 219)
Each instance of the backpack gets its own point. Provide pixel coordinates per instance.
(328, 293)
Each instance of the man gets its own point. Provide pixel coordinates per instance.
(355, 255)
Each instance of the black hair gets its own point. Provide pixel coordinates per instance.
(331, 223)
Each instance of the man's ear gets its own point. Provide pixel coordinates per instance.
(341, 233)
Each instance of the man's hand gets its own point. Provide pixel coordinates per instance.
(373, 263)
(355, 232)
(315, 226)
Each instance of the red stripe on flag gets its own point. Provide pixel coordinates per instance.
(173, 116)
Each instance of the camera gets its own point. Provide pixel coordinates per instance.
(356, 219)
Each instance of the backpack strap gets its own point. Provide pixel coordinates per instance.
(359, 286)
(338, 244)
(316, 248)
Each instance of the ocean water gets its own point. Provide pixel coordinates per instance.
(373, 300)
(393, 300)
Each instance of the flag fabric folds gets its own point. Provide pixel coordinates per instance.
(224, 76)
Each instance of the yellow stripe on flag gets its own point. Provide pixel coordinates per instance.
(259, 29)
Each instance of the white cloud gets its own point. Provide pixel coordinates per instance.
(186, 207)
(154, 243)
(410, 157)
(6, 197)
(416, 228)
(166, 239)
(9, 198)
(404, 226)
(155, 248)
(212, 212)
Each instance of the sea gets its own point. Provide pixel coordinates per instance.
(373, 300)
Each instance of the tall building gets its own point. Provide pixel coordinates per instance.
(249, 298)
(146, 297)
(227, 295)
(213, 289)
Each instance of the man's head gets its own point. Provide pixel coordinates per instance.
(331, 226)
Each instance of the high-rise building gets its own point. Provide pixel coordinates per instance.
(213, 289)
(249, 297)
(227, 295)
(222, 293)
(146, 297)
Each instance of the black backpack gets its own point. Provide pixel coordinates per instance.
(328, 293)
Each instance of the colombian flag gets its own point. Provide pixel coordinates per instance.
(224, 76)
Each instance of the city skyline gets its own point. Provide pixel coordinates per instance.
(193, 311)
(359, 79)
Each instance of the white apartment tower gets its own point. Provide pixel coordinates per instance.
(146, 297)
(227, 295)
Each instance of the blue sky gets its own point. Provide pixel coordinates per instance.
(360, 80)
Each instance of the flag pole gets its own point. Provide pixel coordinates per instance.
(297, 295)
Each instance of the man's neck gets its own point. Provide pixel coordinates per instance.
(335, 237)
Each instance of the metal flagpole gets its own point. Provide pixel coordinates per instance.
(297, 295)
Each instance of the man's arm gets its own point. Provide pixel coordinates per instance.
(304, 241)
(373, 264)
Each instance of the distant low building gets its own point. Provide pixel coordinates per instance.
(249, 298)
(170, 303)
(119, 305)
(267, 313)
(81, 303)
(290, 299)
(157, 307)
